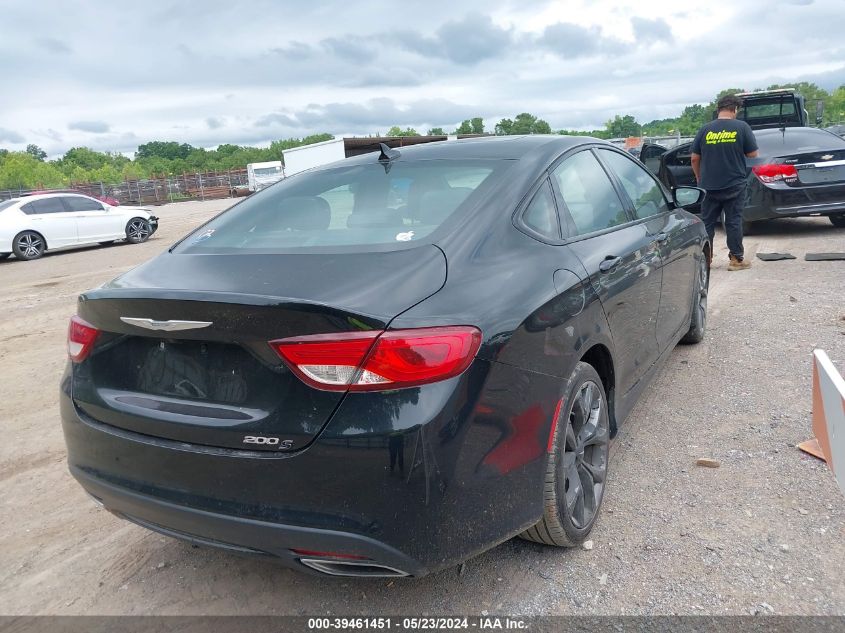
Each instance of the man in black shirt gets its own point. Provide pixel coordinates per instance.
(718, 160)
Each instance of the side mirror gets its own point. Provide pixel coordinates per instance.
(687, 196)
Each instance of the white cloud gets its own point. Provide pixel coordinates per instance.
(110, 77)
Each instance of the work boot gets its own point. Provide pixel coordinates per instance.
(738, 263)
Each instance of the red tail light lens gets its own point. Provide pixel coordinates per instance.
(81, 336)
(775, 173)
(377, 361)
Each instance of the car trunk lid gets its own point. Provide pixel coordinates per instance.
(195, 365)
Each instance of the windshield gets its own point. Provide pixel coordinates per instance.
(348, 206)
(267, 171)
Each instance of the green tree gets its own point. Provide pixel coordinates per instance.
(504, 127)
(163, 149)
(464, 128)
(623, 126)
(36, 152)
(436, 131)
(477, 124)
(523, 123)
(25, 171)
(408, 131)
(85, 158)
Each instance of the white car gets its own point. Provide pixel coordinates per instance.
(31, 225)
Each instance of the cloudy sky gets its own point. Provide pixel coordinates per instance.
(110, 74)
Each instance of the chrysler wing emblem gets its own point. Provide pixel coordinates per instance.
(167, 326)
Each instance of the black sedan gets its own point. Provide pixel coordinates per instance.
(389, 364)
(800, 172)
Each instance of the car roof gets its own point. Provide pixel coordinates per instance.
(41, 196)
(487, 147)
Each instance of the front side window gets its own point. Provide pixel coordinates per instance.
(45, 205)
(348, 206)
(642, 189)
(588, 194)
(81, 203)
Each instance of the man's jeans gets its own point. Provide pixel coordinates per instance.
(731, 201)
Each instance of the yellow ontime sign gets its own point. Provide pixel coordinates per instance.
(712, 138)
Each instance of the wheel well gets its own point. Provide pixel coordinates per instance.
(708, 251)
(599, 357)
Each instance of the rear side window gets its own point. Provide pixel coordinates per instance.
(541, 214)
(348, 206)
(588, 194)
(45, 205)
(80, 203)
(643, 190)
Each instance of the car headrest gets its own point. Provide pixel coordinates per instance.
(304, 213)
(436, 206)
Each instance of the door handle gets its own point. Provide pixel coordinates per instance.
(609, 263)
(662, 237)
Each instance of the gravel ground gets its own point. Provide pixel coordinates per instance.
(763, 533)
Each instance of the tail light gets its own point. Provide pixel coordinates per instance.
(775, 173)
(81, 336)
(377, 361)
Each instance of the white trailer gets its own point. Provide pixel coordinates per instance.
(299, 159)
(261, 175)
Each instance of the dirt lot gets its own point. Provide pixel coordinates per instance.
(765, 532)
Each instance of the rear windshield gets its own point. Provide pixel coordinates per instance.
(770, 111)
(348, 206)
(5, 204)
(798, 140)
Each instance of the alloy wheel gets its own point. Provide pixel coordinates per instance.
(138, 231)
(585, 451)
(30, 245)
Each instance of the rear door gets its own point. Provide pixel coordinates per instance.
(668, 228)
(619, 256)
(50, 217)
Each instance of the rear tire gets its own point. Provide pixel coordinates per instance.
(698, 318)
(747, 228)
(837, 220)
(29, 245)
(138, 230)
(573, 488)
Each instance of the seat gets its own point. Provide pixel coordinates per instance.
(302, 213)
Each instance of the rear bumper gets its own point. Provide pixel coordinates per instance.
(241, 535)
(783, 201)
(429, 485)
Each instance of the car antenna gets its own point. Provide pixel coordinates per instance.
(387, 153)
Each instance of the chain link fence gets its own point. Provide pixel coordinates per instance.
(197, 186)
